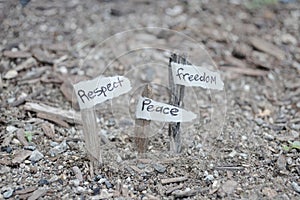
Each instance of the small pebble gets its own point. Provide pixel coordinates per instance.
(159, 168)
(80, 189)
(62, 147)
(289, 161)
(108, 184)
(30, 147)
(296, 187)
(96, 190)
(6, 149)
(76, 182)
(11, 74)
(209, 177)
(97, 178)
(11, 129)
(36, 156)
(8, 193)
(102, 180)
(43, 182)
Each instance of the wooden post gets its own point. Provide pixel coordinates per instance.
(142, 126)
(176, 99)
(91, 137)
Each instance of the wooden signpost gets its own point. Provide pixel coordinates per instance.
(181, 74)
(90, 93)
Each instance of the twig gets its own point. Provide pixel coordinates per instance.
(229, 168)
(173, 180)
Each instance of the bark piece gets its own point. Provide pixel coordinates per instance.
(16, 54)
(37, 194)
(51, 118)
(267, 47)
(172, 189)
(21, 156)
(30, 62)
(48, 130)
(26, 190)
(21, 137)
(67, 115)
(246, 71)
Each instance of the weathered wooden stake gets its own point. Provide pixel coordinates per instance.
(91, 137)
(142, 126)
(176, 99)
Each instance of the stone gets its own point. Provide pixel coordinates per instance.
(36, 156)
(288, 39)
(296, 187)
(8, 193)
(43, 182)
(159, 168)
(11, 74)
(229, 186)
(62, 147)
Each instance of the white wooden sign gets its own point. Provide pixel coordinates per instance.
(152, 110)
(92, 92)
(190, 75)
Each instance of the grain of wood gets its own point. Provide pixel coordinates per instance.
(176, 99)
(90, 131)
(142, 126)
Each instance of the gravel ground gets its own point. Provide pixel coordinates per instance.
(245, 144)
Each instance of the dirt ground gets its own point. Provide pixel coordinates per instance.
(244, 144)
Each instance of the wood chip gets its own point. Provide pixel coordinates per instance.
(7, 139)
(173, 180)
(184, 193)
(232, 61)
(37, 194)
(21, 156)
(48, 130)
(27, 64)
(21, 137)
(172, 189)
(267, 47)
(67, 115)
(54, 119)
(67, 89)
(16, 54)
(26, 190)
(42, 57)
(5, 161)
(136, 169)
(63, 46)
(246, 71)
